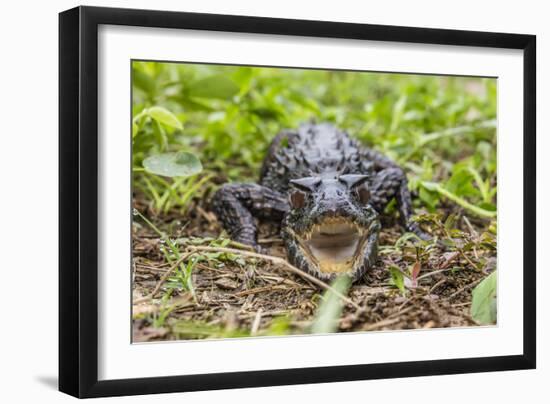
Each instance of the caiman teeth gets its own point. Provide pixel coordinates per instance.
(333, 226)
(334, 244)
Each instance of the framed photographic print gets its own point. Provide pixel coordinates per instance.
(251, 201)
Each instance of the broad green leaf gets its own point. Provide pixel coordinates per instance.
(218, 86)
(165, 117)
(326, 319)
(182, 164)
(484, 302)
(135, 129)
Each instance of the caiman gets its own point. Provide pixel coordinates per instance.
(327, 192)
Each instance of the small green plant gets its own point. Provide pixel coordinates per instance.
(165, 195)
(159, 319)
(171, 252)
(182, 279)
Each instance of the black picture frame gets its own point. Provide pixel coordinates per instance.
(78, 200)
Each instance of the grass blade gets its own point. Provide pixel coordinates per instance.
(326, 320)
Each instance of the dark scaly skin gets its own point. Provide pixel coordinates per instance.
(326, 157)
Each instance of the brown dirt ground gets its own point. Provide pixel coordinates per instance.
(251, 297)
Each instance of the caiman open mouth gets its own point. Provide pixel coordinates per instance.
(334, 245)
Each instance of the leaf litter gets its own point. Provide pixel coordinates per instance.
(411, 286)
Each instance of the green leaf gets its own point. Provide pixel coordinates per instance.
(397, 278)
(218, 86)
(484, 186)
(160, 135)
(243, 76)
(398, 110)
(135, 129)
(182, 164)
(143, 81)
(461, 183)
(279, 326)
(326, 320)
(429, 197)
(484, 302)
(190, 104)
(165, 117)
(401, 241)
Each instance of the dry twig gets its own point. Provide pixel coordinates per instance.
(283, 263)
(163, 279)
(469, 286)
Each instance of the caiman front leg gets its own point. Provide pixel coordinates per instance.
(391, 183)
(237, 205)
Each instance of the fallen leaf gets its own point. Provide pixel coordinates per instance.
(226, 283)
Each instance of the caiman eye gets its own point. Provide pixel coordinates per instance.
(297, 199)
(363, 193)
(357, 183)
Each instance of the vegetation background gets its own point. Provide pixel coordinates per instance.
(197, 126)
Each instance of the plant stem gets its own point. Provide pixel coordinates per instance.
(434, 186)
(155, 228)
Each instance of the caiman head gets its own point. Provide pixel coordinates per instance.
(331, 229)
